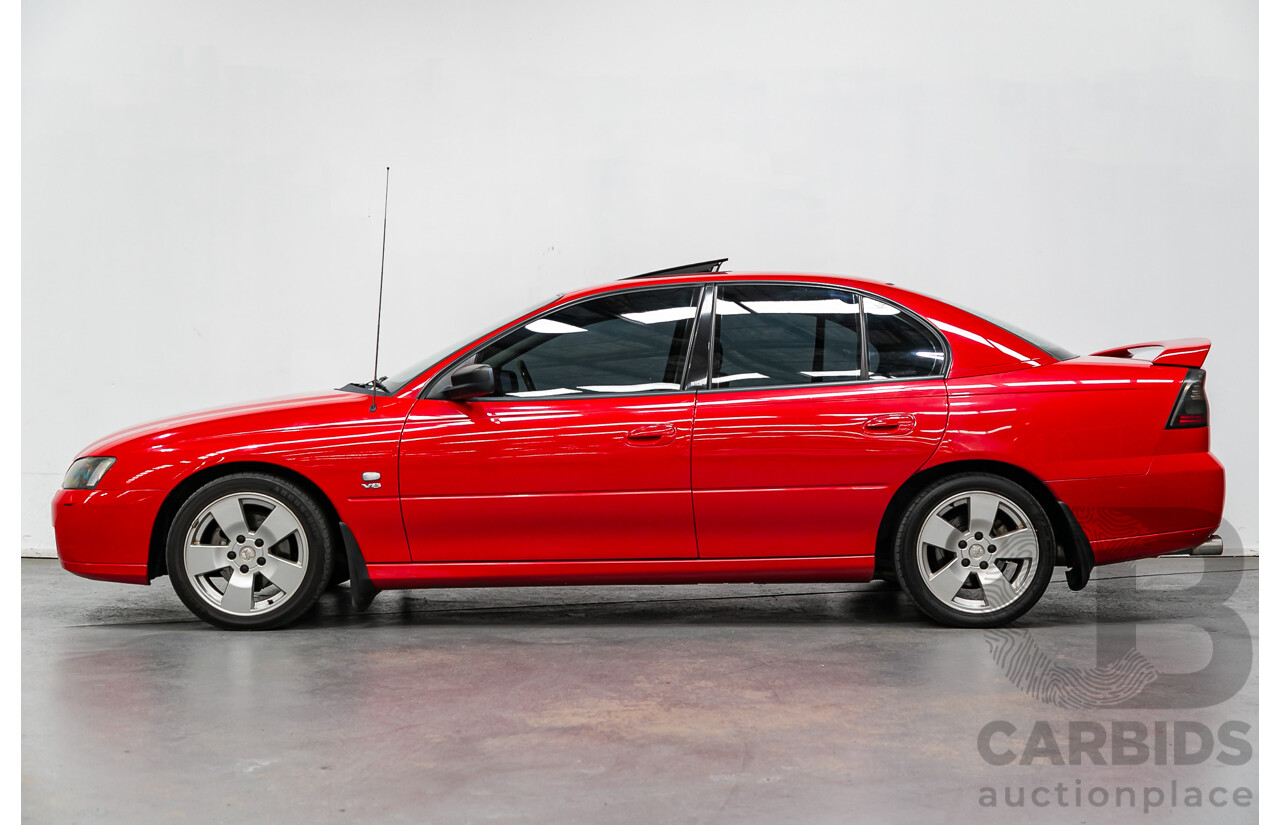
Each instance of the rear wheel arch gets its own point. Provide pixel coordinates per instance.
(1068, 552)
(156, 564)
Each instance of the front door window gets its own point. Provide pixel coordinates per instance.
(631, 342)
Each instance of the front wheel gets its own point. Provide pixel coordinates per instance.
(249, 551)
(974, 550)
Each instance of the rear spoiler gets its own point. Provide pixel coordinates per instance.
(1182, 352)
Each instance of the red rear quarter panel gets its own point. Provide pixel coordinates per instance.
(1093, 429)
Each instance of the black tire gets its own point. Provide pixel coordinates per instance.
(907, 552)
(311, 544)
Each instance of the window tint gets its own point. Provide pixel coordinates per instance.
(621, 343)
(898, 345)
(767, 335)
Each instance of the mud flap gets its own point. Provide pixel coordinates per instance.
(362, 587)
(1081, 556)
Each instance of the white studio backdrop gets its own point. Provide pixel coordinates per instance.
(202, 182)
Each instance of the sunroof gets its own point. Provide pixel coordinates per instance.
(686, 269)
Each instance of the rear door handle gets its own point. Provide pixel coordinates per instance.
(651, 435)
(892, 424)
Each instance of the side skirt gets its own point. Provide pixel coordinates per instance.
(658, 571)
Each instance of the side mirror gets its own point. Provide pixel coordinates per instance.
(471, 382)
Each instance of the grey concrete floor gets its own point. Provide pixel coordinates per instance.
(743, 703)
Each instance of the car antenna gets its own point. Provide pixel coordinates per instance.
(382, 268)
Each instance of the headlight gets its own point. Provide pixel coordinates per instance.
(85, 473)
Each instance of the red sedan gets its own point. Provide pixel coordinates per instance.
(686, 426)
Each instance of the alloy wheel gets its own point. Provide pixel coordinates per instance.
(977, 552)
(246, 554)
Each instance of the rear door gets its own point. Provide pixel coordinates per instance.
(802, 433)
(584, 455)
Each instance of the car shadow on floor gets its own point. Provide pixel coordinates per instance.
(820, 604)
(871, 604)
(877, 603)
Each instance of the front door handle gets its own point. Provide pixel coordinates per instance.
(652, 435)
(892, 424)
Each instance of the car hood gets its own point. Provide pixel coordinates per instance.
(221, 416)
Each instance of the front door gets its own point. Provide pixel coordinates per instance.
(802, 434)
(584, 454)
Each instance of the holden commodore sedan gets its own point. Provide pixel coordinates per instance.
(689, 425)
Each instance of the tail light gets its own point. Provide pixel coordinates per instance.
(1192, 407)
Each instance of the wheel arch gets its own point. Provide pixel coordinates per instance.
(1066, 534)
(156, 564)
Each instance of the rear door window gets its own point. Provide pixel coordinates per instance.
(777, 335)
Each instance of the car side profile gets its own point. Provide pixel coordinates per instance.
(687, 426)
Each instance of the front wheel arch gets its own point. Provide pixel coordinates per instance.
(1067, 537)
(156, 564)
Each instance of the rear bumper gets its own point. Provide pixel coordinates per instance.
(1111, 551)
(106, 534)
(1175, 505)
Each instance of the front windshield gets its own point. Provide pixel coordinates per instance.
(400, 379)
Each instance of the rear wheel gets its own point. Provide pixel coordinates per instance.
(974, 550)
(250, 551)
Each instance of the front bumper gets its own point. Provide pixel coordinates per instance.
(106, 534)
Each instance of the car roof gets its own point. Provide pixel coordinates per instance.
(659, 279)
